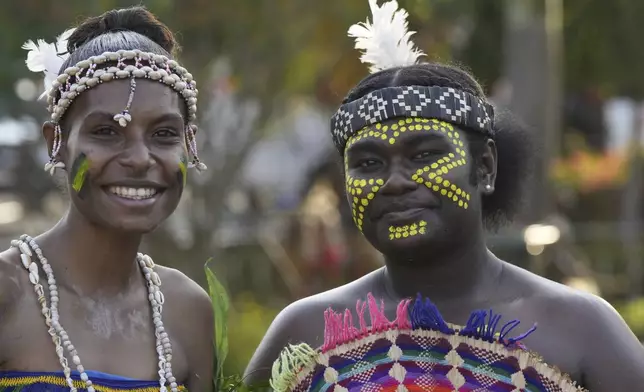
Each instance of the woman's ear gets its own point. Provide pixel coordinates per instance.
(48, 132)
(48, 129)
(487, 170)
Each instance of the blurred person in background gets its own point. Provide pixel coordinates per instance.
(429, 166)
(120, 134)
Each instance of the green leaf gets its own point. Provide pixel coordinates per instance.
(220, 305)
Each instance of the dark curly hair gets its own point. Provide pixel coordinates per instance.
(513, 140)
(120, 29)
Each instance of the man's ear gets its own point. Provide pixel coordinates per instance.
(487, 170)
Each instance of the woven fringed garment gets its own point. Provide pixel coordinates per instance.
(418, 351)
(13, 381)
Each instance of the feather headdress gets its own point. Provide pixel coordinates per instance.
(47, 57)
(385, 41)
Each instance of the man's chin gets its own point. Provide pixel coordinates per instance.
(402, 245)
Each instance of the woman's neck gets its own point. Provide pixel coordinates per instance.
(87, 258)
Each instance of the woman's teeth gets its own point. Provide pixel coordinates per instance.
(133, 193)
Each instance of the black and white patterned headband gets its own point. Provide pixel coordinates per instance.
(442, 103)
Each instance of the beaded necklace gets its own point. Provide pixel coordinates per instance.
(27, 247)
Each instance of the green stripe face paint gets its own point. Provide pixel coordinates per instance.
(183, 170)
(79, 172)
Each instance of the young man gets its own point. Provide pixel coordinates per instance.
(428, 166)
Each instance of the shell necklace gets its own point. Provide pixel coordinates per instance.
(28, 247)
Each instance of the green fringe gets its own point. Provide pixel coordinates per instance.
(291, 361)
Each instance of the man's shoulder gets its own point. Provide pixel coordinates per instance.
(303, 322)
(338, 299)
(536, 286)
(557, 300)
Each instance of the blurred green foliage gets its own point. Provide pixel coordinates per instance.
(247, 322)
(633, 314)
(271, 56)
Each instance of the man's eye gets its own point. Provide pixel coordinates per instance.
(367, 163)
(427, 154)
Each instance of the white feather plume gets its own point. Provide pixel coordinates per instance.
(47, 57)
(385, 41)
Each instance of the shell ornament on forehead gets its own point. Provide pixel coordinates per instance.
(418, 350)
(61, 90)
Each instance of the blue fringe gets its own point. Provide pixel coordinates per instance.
(482, 325)
(425, 315)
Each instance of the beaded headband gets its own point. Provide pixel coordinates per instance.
(385, 43)
(123, 64)
(442, 103)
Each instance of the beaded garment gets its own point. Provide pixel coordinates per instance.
(418, 351)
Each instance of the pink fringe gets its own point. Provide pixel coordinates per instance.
(340, 329)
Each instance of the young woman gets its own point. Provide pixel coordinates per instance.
(80, 297)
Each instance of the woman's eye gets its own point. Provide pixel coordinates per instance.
(104, 131)
(166, 133)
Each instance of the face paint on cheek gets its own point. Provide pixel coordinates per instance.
(182, 174)
(361, 190)
(79, 174)
(433, 175)
(430, 176)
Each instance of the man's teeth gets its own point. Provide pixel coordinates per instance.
(133, 193)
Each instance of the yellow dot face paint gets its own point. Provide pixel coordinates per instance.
(362, 190)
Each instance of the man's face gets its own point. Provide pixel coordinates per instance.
(408, 183)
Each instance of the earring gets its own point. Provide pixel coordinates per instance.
(489, 188)
(54, 163)
(191, 130)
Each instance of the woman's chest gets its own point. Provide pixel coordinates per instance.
(108, 337)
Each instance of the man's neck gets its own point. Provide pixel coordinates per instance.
(459, 274)
(87, 258)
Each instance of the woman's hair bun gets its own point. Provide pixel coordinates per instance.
(136, 19)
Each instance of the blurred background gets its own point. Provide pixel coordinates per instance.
(271, 212)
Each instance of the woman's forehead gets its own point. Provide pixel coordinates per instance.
(112, 97)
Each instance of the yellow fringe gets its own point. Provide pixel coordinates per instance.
(60, 381)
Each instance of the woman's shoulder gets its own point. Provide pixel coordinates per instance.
(12, 277)
(178, 285)
(189, 314)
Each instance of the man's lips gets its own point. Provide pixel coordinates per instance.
(403, 215)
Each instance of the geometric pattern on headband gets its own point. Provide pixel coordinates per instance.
(442, 103)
